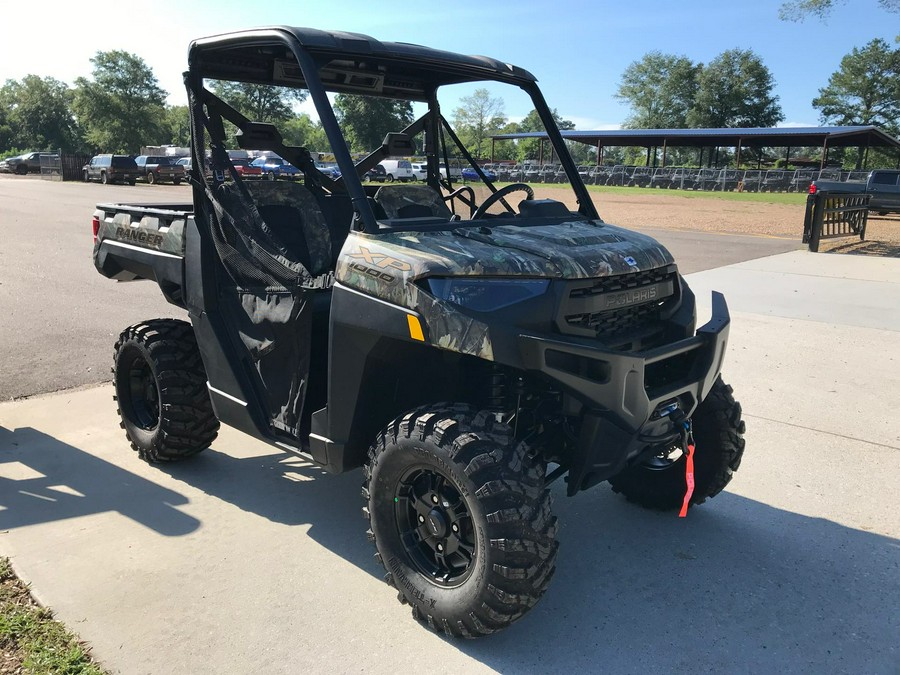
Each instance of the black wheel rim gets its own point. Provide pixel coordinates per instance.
(435, 525)
(142, 394)
(666, 459)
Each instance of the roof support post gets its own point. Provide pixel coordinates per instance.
(700, 160)
(648, 156)
(493, 140)
(866, 157)
(737, 163)
(541, 153)
(824, 154)
(665, 150)
(599, 153)
(787, 157)
(717, 157)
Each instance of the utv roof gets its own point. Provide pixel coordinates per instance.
(257, 54)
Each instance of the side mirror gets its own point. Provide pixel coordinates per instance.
(398, 144)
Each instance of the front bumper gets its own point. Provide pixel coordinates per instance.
(627, 397)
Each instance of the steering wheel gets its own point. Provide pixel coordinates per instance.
(458, 192)
(499, 195)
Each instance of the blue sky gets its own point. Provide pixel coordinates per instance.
(577, 50)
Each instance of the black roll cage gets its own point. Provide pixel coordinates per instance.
(325, 47)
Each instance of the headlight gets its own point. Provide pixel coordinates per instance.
(486, 295)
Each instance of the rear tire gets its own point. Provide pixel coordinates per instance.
(84, 176)
(718, 432)
(160, 384)
(21, 170)
(389, 178)
(177, 181)
(460, 519)
(151, 178)
(104, 179)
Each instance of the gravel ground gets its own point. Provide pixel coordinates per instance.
(712, 214)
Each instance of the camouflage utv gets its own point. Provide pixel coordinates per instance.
(466, 346)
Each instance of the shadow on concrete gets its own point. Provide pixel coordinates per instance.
(881, 249)
(288, 490)
(737, 585)
(43, 479)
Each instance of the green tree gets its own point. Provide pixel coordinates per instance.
(6, 132)
(478, 116)
(39, 113)
(660, 89)
(735, 90)
(529, 148)
(366, 120)
(799, 10)
(122, 106)
(260, 102)
(178, 125)
(302, 131)
(865, 89)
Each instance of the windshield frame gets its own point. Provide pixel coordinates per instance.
(208, 57)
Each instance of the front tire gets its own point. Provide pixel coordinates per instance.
(659, 483)
(151, 178)
(160, 384)
(460, 519)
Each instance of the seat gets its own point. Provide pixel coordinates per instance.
(411, 201)
(291, 211)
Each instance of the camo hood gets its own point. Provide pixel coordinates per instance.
(573, 250)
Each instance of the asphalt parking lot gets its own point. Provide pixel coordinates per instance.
(248, 560)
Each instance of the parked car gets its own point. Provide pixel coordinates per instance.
(111, 169)
(376, 173)
(274, 167)
(469, 173)
(397, 169)
(245, 169)
(332, 172)
(883, 185)
(420, 171)
(22, 164)
(158, 169)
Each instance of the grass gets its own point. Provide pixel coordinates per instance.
(31, 641)
(792, 198)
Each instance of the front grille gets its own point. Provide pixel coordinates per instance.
(616, 322)
(586, 308)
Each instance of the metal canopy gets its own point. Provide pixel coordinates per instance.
(856, 136)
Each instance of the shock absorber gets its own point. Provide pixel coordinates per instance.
(496, 391)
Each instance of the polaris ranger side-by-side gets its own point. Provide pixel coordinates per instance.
(465, 345)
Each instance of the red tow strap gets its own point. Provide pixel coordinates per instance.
(689, 479)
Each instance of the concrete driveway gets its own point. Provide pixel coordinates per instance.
(246, 560)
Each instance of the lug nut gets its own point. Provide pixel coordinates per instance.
(421, 518)
(454, 527)
(440, 547)
(434, 498)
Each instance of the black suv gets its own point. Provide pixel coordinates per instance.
(157, 169)
(111, 169)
